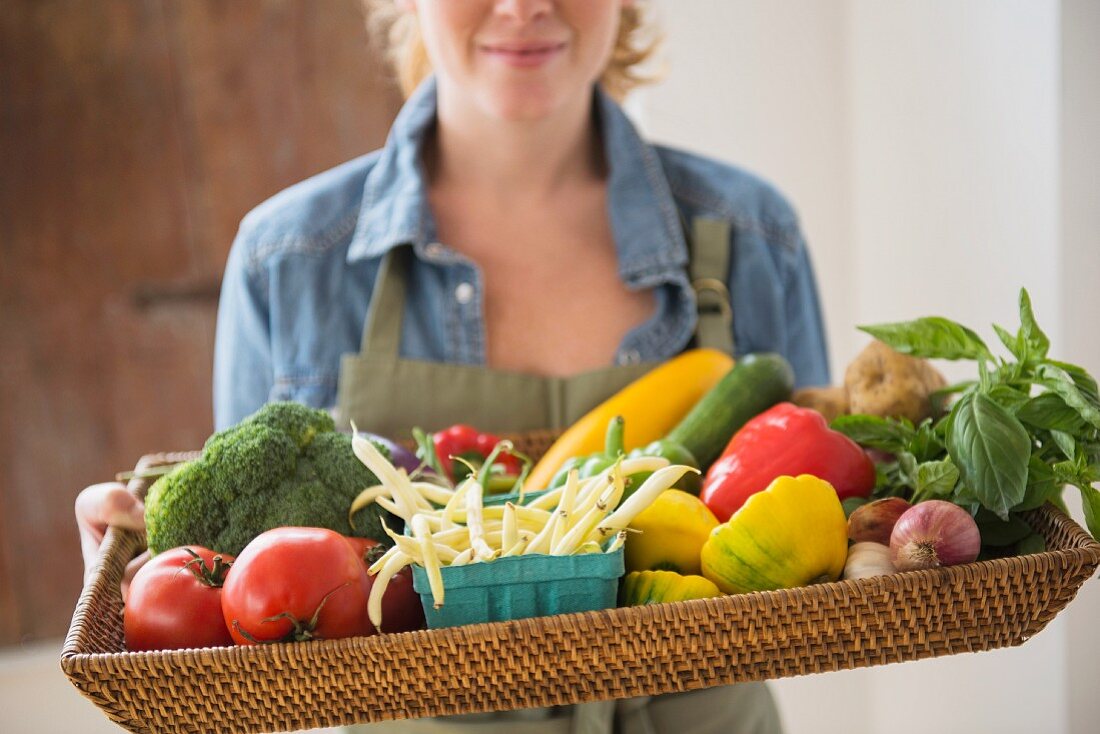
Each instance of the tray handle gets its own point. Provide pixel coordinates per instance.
(100, 604)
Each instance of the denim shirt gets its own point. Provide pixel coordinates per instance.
(300, 273)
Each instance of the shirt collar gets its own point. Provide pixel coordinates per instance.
(395, 197)
(645, 222)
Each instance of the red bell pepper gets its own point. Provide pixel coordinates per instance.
(785, 440)
(473, 445)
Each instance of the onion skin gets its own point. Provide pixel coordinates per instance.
(933, 534)
(875, 521)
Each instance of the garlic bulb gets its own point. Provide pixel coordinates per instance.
(868, 559)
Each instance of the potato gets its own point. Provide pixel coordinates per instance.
(829, 401)
(883, 382)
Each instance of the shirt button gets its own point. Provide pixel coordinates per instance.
(464, 293)
(434, 249)
(631, 356)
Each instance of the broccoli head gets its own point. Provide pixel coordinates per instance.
(284, 465)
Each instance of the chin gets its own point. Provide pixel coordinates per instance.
(522, 102)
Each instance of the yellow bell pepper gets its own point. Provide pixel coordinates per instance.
(791, 534)
(673, 531)
(654, 587)
(652, 405)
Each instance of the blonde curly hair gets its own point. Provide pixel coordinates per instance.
(398, 34)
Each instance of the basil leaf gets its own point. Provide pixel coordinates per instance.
(1069, 472)
(1091, 449)
(852, 504)
(1065, 443)
(1013, 342)
(926, 444)
(931, 337)
(1061, 382)
(941, 399)
(889, 482)
(1049, 411)
(1090, 500)
(1009, 397)
(1042, 485)
(907, 466)
(1033, 543)
(995, 531)
(1037, 342)
(874, 432)
(991, 449)
(943, 425)
(937, 478)
(1082, 379)
(965, 497)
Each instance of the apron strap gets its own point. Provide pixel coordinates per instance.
(710, 252)
(382, 328)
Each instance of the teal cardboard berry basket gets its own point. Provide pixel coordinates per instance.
(518, 587)
(524, 586)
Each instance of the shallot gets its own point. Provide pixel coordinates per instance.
(934, 533)
(875, 521)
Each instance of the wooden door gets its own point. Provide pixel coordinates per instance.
(134, 135)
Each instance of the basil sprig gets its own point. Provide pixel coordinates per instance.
(1013, 438)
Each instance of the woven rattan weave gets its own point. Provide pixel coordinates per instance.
(569, 658)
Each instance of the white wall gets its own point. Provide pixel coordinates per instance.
(762, 85)
(941, 154)
(1080, 297)
(955, 149)
(955, 111)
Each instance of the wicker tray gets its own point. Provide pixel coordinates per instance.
(567, 658)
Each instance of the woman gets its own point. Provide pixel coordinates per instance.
(515, 254)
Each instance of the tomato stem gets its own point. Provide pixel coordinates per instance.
(374, 553)
(317, 612)
(298, 632)
(214, 577)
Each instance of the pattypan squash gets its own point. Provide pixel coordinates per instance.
(791, 534)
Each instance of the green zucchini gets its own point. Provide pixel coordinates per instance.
(756, 383)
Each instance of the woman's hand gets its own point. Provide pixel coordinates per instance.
(99, 506)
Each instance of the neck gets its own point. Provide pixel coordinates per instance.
(509, 159)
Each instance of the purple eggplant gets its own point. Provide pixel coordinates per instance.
(400, 456)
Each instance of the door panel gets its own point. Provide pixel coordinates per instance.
(134, 136)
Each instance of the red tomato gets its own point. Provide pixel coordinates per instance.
(296, 584)
(362, 545)
(176, 602)
(402, 610)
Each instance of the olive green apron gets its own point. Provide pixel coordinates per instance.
(387, 394)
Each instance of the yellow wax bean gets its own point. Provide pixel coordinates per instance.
(374, 602)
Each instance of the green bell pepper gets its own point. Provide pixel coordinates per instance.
(593, 464)
(676, 454)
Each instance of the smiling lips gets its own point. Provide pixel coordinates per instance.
(523, 55)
